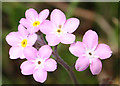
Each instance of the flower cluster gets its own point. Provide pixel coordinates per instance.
(57, 29)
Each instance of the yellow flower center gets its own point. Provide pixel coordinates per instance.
(59, 31)
(36, 23)
(24, 43)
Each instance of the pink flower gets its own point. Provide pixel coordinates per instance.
(34, 20)
(19, 40)
(90, 52)
(38, 63)
(58, 29)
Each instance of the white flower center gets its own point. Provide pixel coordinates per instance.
(39, 63)
(90, 53)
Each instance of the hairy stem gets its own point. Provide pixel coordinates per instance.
(65, 65)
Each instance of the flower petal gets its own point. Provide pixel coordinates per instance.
(103, 51)
(40, 75)
(50, 65)
(32, 39)
(52, 39)
(31, 14)
(43, 15)
(58, 17)
(47, 27)
(25, 22)
(27, 68)
(32, 29)
(22, 30)
(82, 63)
(91, 39)
(13, 38)
(95, 66)
(22, 56)
(30, 53)
(45, 52)
(71, 25)
(67, 38)
(16, 52)
(77, 48)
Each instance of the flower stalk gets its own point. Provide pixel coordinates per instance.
(65, 65)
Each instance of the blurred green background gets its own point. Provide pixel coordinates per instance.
(99, 16)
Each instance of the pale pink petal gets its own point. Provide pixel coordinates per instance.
(91, 39)
(52, 39)
(22, 56)
(95, 66)
(32, 29)
(103, 51)
(30, 53)
(32, 39)
(40, 75)
(67, 38)
(43, 15)
(22, 30)
(77, 48)
(82, 63)
(45, 52)
(71, 25)
(13, 38)
(15, 52)
(27, 68)
(31, 14)
(47, 27)
(25, 22)
(50, 65)
(58, 17)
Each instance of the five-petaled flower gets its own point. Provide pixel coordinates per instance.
(19, 40)
(34, 20)
(38, 63)
(58, 29)
(89, 52)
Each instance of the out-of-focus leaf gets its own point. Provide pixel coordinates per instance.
(70, 9)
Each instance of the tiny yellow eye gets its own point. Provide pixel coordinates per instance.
(36, 23)
(59, 30)
(24, 43)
